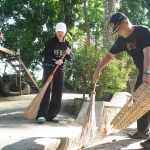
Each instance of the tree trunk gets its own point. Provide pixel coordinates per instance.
(109, 11)
(96, 37)
(62, 11)
(86, 21)
(84, 91)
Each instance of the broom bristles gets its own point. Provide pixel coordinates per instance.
(89, 125)
(33, 107)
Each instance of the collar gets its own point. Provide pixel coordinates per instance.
(58, 39)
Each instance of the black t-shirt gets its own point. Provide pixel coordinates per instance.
(134, 45)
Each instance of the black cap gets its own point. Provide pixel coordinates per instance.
(115, 21)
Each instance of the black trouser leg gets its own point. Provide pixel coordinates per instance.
(56, 97)
(143, 122)
(44, 106)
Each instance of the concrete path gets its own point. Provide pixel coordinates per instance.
(118, 141)
(18, 133)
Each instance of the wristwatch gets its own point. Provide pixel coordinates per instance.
(147, 72)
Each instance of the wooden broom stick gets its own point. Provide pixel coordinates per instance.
(33, 107)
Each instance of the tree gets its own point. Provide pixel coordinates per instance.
(108, 39)
(138, 11)
(96, 21)
(33, 23)
(86, 21)
(82, 67)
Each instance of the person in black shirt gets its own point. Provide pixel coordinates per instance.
(135, 40)
(53, 52)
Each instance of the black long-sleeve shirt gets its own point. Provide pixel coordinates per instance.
(54, 50)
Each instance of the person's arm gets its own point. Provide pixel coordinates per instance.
(146, 77)
(102, 63)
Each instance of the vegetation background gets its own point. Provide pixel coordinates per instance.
(27, 24)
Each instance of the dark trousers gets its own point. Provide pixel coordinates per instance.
(51, 102)
(143, 122)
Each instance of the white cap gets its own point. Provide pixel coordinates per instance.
(61, 27)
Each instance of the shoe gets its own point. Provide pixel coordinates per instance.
(145, 144)
(41, 120)
(55, 119)
(138, 135)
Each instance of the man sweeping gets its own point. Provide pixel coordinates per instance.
(135, 40)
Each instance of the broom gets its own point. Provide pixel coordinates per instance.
(33, 107)
(89, 125)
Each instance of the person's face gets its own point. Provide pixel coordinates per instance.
(60, 35)
(122, 31)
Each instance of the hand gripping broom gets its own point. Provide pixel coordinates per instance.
(33, 107)
(89, 125)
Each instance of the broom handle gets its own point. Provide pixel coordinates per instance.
(94, 87)
(51, 76)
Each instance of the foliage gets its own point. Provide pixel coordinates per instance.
(114, 77)
(95, 10)
(33, 23)
(136, 10)
(130, 66)
(39, 83)
(82, 67)
(77, 101)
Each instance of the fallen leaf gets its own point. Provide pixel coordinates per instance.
(104, 133)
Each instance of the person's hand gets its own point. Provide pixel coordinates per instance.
(146, 78)
(59, 62)
(96, 75)
(68, 50)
